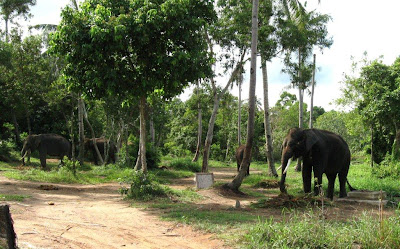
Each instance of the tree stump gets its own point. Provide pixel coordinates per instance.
(7, 234)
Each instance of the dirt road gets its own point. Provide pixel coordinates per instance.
(92, 216)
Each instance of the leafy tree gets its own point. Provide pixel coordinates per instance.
(132, 48)
(376, 95)
(13, 8)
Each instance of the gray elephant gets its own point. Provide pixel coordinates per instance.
(100, 142)
(46, 144)
(239, 158)
(322, 152)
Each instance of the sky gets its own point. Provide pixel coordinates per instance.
(357, 26)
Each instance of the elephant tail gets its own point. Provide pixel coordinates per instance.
(351, 188)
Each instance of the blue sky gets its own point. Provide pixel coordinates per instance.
(356, 26)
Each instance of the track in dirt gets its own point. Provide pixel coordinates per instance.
(92, 216)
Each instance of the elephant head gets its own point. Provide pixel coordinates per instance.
(31, 143)
(296, 144)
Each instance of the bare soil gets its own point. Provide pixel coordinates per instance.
(96, 216)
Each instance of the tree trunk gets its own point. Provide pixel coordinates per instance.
(143, 134)
(237, 181)
(71, 132)
(267, 122)
(312, 96)
(81, 131)
(240, 110)
(301, 93)
(210, 132)
(28, 121)
(85, 115)
(199, 125)
(372, 146)
(152, 131)
(16, 128)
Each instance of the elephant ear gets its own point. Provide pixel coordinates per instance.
(37, 140)
(311, 139)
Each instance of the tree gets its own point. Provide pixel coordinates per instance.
(298, 35)
(133, 48)
(376, 95)
(237, 181)
(13, 8)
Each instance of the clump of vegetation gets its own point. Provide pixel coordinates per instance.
(185, 164)
(387, 168)
(143, 187)
(310, 231)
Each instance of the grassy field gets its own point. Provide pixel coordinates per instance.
(296, 228)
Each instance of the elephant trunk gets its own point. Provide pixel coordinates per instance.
(286, 160)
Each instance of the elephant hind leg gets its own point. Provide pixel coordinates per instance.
(43, 161)
(331, 185)
(342, 182)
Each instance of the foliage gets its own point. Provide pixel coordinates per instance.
(153, 155)
(347, 124)
(124, 46)
(18, 198)
(185, 164)
(388, 168)
(374, 91)
(143, 187)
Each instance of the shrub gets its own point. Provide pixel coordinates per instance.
(387, 168)
(185, 164)
(5, 150)
(143, 187)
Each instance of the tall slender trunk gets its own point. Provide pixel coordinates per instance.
(210, 132)
(372, 146)
(81, 130)
(85, 116)
(237, 181)
(312, 95)
(152, 131)
(143, 134)
(267, 121)
(301, 93)
(199, 125)
(71, 132)
(239, 136)
(16, 128)
(28, 121)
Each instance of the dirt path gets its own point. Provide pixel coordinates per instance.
(95, 216)
(92, 216)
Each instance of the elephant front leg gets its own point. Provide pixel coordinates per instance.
(317, 181)
(306, 173)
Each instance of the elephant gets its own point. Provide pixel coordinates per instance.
(239, 157)
(46, 144)
(112, 151)
(322, 152)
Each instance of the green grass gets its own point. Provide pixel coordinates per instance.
(18, 198)
(308, 230)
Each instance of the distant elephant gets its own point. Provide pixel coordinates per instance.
(239, 157)
(112, 151)
(46, 144)
(322, 152)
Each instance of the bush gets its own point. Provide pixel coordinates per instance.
(185, 164)
(143, 187)
(5, 150)
(387, 168)
(153, 157)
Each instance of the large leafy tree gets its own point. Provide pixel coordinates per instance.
(376, 94)
(132, 48)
